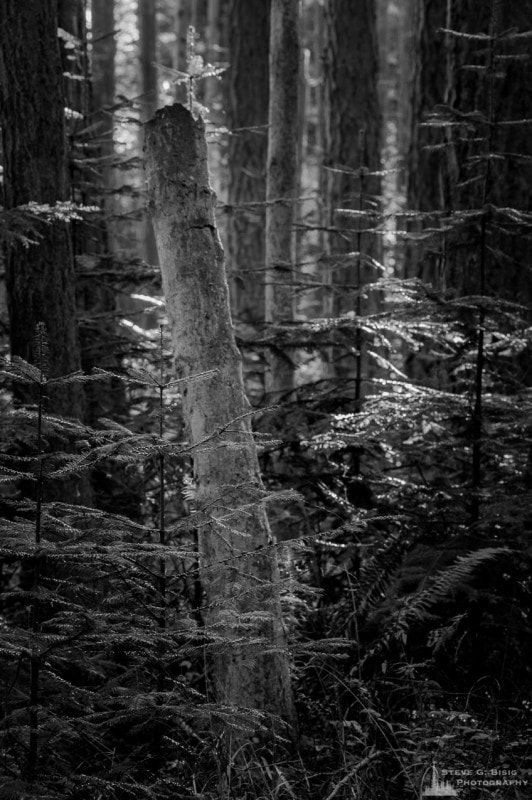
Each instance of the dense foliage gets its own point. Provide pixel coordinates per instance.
(398, 473)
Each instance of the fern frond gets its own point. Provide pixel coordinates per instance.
(376, 573)
(455, 577)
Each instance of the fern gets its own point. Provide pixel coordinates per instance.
(446, 584)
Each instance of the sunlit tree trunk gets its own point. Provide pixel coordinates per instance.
(39, 278)
(282, 183)
(249, 31)
(393, 25)
(239, 566)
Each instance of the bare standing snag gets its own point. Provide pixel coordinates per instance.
(240, 570)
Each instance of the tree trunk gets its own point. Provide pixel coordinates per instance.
(240, 569)
(149, 98)
(352, 148)
(212, 42)
(96, 302)
(214, 94)
(182, 22)
(501, 93)
(428, 75)
(71, 18)
(40, 278)
(249, 31)
(351, 98)
(103, 86)
(147, 58)
(282, 183)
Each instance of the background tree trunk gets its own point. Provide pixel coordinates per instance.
(351, 98)
(71, 18)
(501, 92)
(428, 77)
(352, 147)
(96, 301)
(282, 182)
(240, 569)
(39, 279)
(249, 32)
(149, 98)
(147, 58)
(183, 15)
(212, 49)
(103, 87)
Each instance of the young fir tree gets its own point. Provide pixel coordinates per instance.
(102, 654)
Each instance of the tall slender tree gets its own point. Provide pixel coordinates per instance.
(90, 146)
(351, 71)
(282, 183)
(103, 84)
(352, 150)
(149, 96)
(182, 21)
(73, 27)
(427, 77)
(249, 32)
(147, 58)
(40, 277)
(212, 45)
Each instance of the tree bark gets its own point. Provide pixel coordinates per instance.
(96, 303)
(428, 74)
(501, 95)
(103, 85)
(149, 97)
(212, 42)
(182, 21)
(40, 278)
(352, 148)
(240, 568)
(351, 97)
(147, 58)
(249, 31)
(71, 18)
(282, 183)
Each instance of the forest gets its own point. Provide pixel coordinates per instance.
(265, 399)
